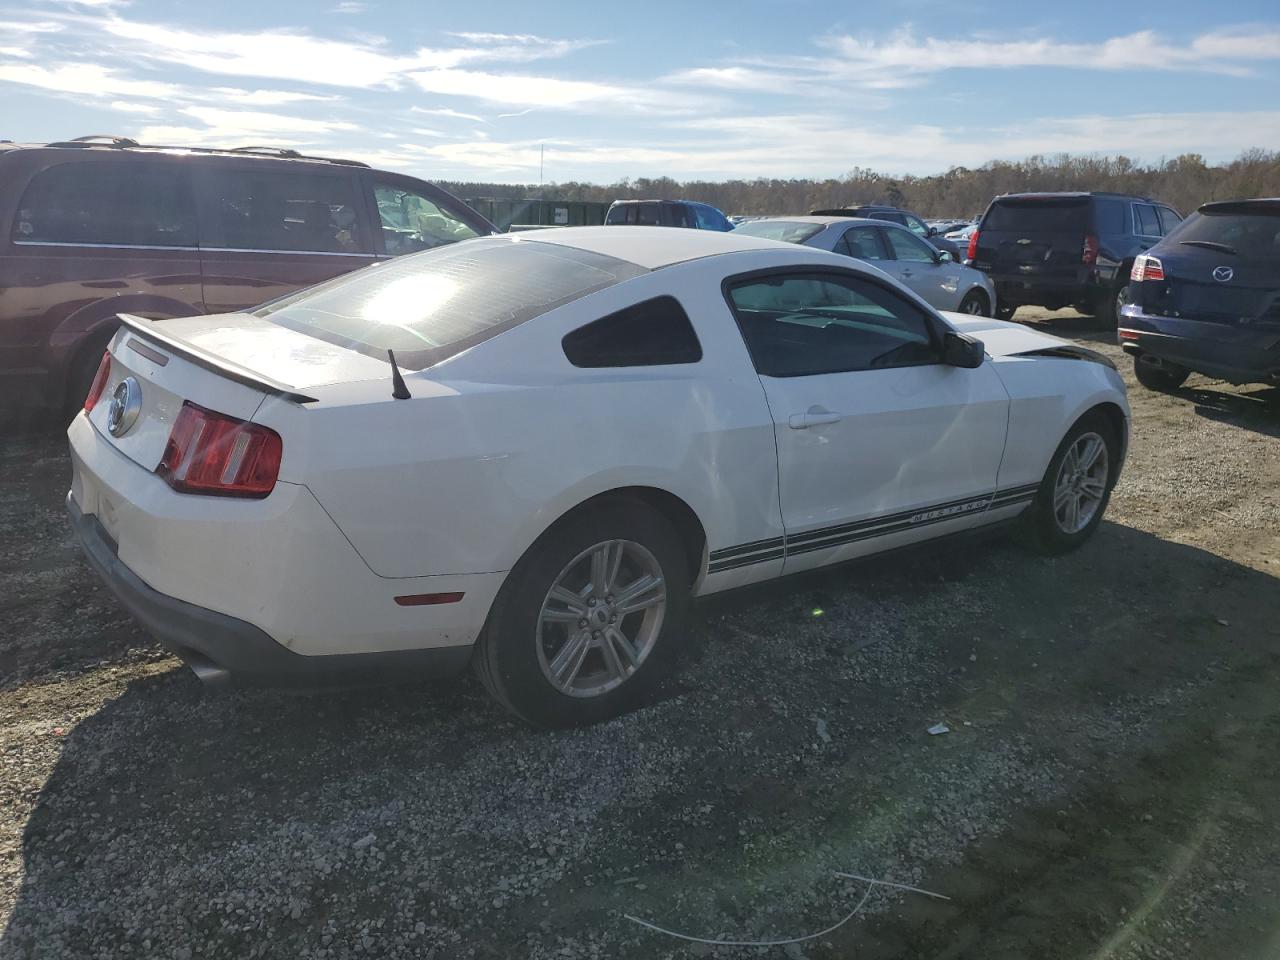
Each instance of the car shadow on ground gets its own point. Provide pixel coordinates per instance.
(1254, 408)
(420, 817)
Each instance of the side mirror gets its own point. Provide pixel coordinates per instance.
(933, 232)
(944, 256)
(959, 350)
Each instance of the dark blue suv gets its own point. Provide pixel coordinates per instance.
(667, 213)
(1206, 299)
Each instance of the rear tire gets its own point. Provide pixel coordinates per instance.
(975, 304)
(1161, 378)
(1005, 313)
(1109, 304)
(80, 374)
(550, 652)
(1082, 474)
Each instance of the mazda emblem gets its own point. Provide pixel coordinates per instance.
(1223, 274)
(126, 402)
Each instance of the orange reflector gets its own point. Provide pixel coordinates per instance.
(1128, 334)
(427, 599)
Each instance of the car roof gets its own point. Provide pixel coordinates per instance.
(127, 146)
(1070, 194)
(653, 247)
(824, 220)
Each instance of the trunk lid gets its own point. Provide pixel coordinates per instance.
(228, 364)
(1034, 236)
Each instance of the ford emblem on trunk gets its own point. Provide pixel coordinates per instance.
(1223, 274)
(126, 401)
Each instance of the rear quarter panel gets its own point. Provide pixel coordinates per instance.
(501, 441)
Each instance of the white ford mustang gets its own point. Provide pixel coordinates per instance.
(530, 452)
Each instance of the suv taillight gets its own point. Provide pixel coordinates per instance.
(1146, 268)
(220, 456)
(1089, 254)
(973, 246)
(99, 382)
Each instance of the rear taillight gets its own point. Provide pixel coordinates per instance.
(973, 246)
(1146, 268)
(220, 456)
(99, 382)
(1089, 253)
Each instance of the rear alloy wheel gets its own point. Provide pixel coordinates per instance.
(582, 630)
(1076, 488)
(1005, 313)
(1161, 377)
(975, 304)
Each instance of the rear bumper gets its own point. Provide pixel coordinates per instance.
(1237, 354)
(217, 646)
(1017, 289)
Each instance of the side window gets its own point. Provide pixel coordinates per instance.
(616, 216)
(1168, 220)
(798, 325)
(1108, 216)
(863, 243)
(1144, 216)
(653, 333)
(411, 222)
(646, 214)
(708, 218)
(905, 246)
(916, 226)
(267, 210)
(678, 214)
(126, 204)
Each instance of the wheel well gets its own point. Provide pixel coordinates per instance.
(87, 352)
(1115, 417)
(680, 514)
(979, 292)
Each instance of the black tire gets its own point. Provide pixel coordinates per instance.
(1041, 527)
(975, 304)
(80, 374)
(1005, 313)
(507, 658)
(1163, 378)
(1084, 309)
(1108, 306)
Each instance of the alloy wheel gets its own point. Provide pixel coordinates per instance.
(601, 618)
(1081, 484)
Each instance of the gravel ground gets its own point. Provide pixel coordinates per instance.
(1108, 788)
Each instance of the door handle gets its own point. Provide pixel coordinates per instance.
(906, 273)
(815, 417)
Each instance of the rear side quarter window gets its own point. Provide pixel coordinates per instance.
(652, 333)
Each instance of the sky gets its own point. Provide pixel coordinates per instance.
(519, 92)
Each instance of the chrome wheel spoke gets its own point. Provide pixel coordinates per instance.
(1093, 488)
(1093, 449)
(564, 668)
(1060, 496)
(617, 640)
(574, 601)
(613, 663)
(645, 591)
(1072, 518)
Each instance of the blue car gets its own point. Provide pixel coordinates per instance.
(667, 213)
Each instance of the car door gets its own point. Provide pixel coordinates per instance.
(268, 227)
(919, 267)
(879, 443)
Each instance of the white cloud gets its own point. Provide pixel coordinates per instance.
(351, 7)
(131, 106)
(258, 98)
(446, 112)
(86, 79)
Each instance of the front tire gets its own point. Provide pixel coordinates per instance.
(1005, 313)
(1076, 488)
(587, 622)
(1159, 377)
(975, 304)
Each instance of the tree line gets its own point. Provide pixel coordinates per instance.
(1184, 182)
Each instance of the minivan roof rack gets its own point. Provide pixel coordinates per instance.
(121, 143)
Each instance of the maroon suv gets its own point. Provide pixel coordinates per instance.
(94, 227)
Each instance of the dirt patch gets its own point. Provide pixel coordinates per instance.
(1108, 788)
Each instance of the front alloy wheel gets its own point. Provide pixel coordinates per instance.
(1081, 486)
(1076, 487)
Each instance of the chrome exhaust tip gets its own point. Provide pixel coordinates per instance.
(207, 672)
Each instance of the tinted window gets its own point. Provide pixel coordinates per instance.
(789, 231)
(916, 226)
(264, 210)
(1251, 236)
(649, 334)
(1110, 216)
(1036, 215)
(646, 214)
(864, 243)
(1145, 221)
(679, 215)
(906, 246)
(800, 325)
(616, 215)
(1168, 219)
(428, 306)
(709, 218)
(412, 222)
(131, 203)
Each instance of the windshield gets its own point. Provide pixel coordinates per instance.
(1253, 236)
(431, 305)
(1056, 215)
(790, 231)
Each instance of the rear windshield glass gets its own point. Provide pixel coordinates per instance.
(1042, 216)
(1249, 236)
(428, 306)
(792, 231)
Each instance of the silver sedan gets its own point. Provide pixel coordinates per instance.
(933, 274)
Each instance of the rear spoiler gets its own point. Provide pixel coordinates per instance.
(219, 365)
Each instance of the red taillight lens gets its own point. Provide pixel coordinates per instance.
(973, 246)
(220, 456)
(1146, 268)
(1089, 254)
(99, 382)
